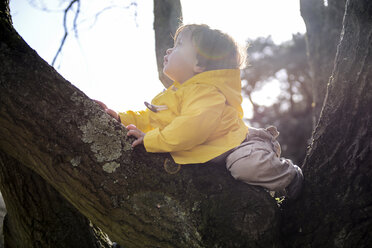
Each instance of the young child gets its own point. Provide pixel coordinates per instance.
(198, 118)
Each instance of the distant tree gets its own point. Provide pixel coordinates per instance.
(292, 111)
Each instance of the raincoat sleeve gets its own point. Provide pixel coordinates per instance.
(138, 118)
(200, 115)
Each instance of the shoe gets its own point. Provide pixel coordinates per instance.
(293, 190)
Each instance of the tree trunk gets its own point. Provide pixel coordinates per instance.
(336, 206)
(54, 129)
(38, 216)
(323, 28)
(167, 18)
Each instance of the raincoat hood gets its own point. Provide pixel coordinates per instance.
(227, 81)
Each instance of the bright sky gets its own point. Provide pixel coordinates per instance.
(114, 58)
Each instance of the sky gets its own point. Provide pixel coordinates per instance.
(113, 58)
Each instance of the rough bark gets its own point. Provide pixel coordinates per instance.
(54, 129)
(167, 18)
(38, 216)
(323, 28)
(336, 207)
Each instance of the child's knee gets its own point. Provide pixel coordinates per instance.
(245, 165)
(243, 171)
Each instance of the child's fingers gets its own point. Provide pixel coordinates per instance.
(131, 127)
(134, 133)
(130, 133)
(112, 113)
(137, 142)
(101, 104)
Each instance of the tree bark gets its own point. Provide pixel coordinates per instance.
(323, 28)
(336, 206)
(167, 18)
(37, 215)
(55, 130)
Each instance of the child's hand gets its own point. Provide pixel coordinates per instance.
(101, 104)
(108, 111)
(134, 131)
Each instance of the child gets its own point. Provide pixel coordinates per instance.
(199, 118)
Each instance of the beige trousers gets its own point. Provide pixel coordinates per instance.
(257, 161)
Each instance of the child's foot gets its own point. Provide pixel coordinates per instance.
(294, 188)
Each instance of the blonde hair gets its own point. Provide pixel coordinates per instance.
(215, 50)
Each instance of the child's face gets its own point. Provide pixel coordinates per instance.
(180, 61)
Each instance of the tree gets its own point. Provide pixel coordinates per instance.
(55, 130)
(168, 16)
(335, 208)
(323, 21)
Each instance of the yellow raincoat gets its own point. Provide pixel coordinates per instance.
(195, 121)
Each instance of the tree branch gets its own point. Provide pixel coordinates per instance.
(66, 11)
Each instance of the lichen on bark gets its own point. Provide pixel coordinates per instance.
(110, 167)
(105, 140)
